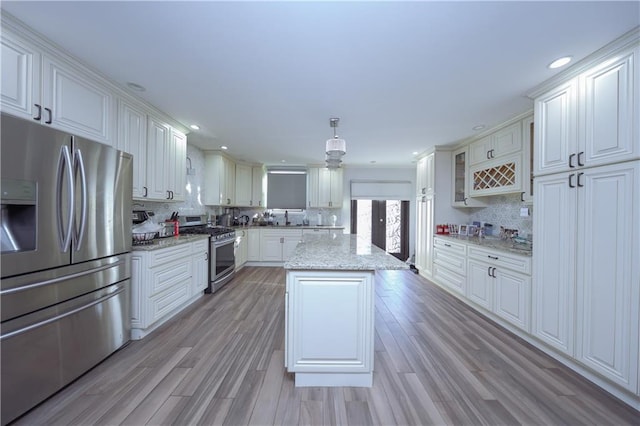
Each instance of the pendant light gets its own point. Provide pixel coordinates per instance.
(335, 147)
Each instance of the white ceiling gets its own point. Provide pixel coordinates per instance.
(264, 77)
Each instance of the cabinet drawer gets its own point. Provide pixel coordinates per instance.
(170, 254)
(200, 246)
(450, 246)
(449, 279)
(450, 261)
(165, 302)
(516, 263)
(170, 275)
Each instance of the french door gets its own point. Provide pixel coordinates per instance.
(384, 222)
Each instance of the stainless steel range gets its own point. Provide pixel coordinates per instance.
(222, 259)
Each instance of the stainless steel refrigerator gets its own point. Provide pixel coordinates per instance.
(66, 238)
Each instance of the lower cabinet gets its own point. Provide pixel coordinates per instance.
(329, 327)
(276, 245)
(496, 281)
(164, 281)
(241, 247)
(254, 246)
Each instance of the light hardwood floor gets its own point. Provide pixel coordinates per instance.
(436, 362)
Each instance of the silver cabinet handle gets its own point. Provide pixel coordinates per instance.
(493, 273)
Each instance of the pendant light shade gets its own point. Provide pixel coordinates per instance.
(335, 147)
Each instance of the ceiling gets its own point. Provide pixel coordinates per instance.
(263, 78)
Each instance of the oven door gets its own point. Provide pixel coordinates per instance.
(223, 262)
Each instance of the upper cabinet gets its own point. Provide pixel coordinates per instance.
(503, 142)
(585, 121)
(54, 93)
(219, 189)
(425, 176)
(325, 187)
(460, 180)
(258, 187)
(243, 177)
(132, 138)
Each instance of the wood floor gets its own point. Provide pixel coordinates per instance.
(436, 362)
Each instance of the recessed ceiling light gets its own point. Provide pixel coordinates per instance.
(135, 86)
(478, 127)
(560, 62)
(195, 127)
(283, 161)
(415, 152)
(223, 147)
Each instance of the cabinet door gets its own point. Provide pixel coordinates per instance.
(271, 248)
(527, 160)
(253, 241)
(324, 187)
(555, 129)
(461, 181)
(243, 185)
(421, 238)
(421, 177)
(132, 138)
(330, 322)
(335, 200)
(158, 140)
(20, 84)
(506, 141)
(480, 284)
(178, 165)
(479, 150)
(290, 242)
(512, 297)
(258, 187)
(229, 168)
(608, 291)
(78, 104)
(503, 175)
(609, 106)
(200, 258)
(553, 288)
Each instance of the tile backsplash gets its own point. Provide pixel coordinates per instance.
(504, 210)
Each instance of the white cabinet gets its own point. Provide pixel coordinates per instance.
(220, 173)
(315, 231)
(132, 138)
(499, 176)
(461, 181)
(38, 87)
(425, 175)
(165, 281)
(177, 165)
(254, 245)
(243, 181)
(325, 187)
(527, 160)
(587, 121)
(424, 234)
(278, 244)
(241, 247)
(507, 140)
(450, 264)
(329, 327)
(587, 272)
(158, 139)
(500, 283)
(258, 187)
(200, 259)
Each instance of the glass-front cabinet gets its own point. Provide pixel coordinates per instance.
(460, 180)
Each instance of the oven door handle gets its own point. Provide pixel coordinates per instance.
(220, 243)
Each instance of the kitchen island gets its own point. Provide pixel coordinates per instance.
(329, 304)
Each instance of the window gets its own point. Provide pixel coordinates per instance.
(286, 189)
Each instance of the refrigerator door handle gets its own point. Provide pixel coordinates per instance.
(78, 162)
(65, 165)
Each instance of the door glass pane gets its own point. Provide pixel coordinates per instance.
(393, 226)
(364, 219)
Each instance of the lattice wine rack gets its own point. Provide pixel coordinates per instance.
(495, 177)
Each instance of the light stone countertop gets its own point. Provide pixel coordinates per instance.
(161, 243)
(340, 252)
(493, 243)
(337, 227)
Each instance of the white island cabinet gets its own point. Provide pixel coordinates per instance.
(329, 309)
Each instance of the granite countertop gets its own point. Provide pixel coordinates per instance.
(340, 252)
(493, 243)
(160, 243)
